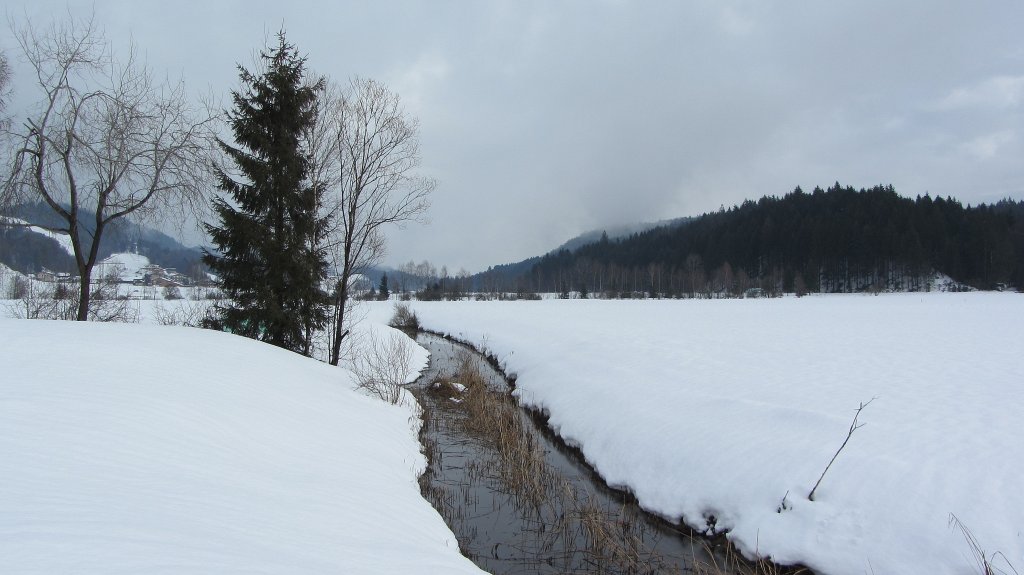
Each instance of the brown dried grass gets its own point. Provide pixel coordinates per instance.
(605, 541)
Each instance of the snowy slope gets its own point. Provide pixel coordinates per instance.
(723, 407)
(127, 266)
(148, 449)
(63, 239)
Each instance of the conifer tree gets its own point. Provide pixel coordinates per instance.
(268, 255)
(383, 292)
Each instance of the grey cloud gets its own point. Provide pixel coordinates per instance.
(544, 119)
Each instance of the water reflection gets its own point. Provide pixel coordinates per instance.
(539, 510)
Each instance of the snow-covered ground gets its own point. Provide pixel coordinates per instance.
(151, 449)
(125, 266)
(727, 407)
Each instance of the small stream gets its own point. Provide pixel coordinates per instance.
(558, 517)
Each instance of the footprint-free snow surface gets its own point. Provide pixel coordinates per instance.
(148, 449)
(732, 409)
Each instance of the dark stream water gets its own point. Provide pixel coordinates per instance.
(571, 523)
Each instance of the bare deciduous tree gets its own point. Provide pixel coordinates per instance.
(5, 78)
(105, 142)
(365, 150)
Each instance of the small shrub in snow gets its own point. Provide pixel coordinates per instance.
(60, 302)
(404, 318)
(171, 293)
(186, 313)
(19, 288)
(382, 366)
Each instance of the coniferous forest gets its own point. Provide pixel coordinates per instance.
(834, 240)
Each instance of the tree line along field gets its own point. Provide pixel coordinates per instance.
(838, 240)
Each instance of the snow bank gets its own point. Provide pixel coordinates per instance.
(149, 449)
(723, 407)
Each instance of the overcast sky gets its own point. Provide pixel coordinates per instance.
(542, 120)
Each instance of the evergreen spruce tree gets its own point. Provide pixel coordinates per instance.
(383, 292)
(268, 255)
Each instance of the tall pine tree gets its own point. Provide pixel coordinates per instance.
(268, 255)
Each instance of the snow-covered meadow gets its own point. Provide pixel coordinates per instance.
(142, 448)
(152, 449)
(733, 408)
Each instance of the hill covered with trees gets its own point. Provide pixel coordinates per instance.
(26, 251)
(834, 240)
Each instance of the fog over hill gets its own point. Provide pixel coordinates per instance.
(835, 240)
(617, 232)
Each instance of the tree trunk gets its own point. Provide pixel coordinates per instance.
(84, 292)
(85, 267)
(339, 319)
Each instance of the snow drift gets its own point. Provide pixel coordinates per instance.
(148, 449)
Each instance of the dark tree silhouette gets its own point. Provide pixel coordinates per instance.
(268, 258)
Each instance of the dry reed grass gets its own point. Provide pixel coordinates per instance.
(569, 531)
(728, 561)
(987, 564)
(496, 419)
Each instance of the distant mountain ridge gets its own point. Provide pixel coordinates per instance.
(29, 251)
(835, 240)
(511, 272)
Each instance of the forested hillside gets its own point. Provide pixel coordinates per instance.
(835, 240)
(29, 252)
(26, 251)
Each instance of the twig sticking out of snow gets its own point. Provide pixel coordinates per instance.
(785, 506)
(854, 426)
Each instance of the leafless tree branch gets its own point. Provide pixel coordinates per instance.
(5, 81)
(854, 426)
(365, 152)
(105, 138)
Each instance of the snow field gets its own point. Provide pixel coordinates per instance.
(151, 449)
(723, 407)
